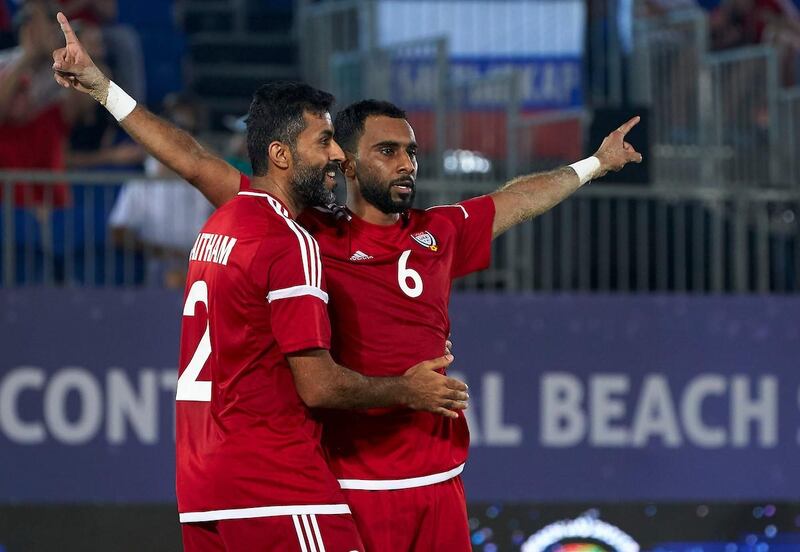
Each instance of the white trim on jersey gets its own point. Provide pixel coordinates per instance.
(304, 533)
(394, 484)
(296, 291)
(317, 532)
(264, 511)
(309, 248)
(466, 215)
(299, 531)
(307, 526)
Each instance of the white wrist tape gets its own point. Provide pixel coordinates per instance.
(586, 168)
(118, 103)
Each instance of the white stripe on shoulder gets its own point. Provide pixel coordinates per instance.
(311, 545)
(314, 246)
(278, 207)
(296, 291)
(313, 254)
(272, 201)
(466, 215)
(264, 511)
(304, 253)
(299, 532)
(317, 533)
(393, 484)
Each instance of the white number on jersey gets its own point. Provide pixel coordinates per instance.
(404, 274)
(189, 389)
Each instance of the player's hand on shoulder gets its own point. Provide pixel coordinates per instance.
(429, 390)
(614, 153)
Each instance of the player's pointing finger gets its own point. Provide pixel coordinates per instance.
(626, 127)
(66, 28)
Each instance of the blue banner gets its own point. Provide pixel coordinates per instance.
(573, 398)
(546, 82)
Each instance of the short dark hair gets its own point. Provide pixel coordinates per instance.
(276, 114)
(349, 123)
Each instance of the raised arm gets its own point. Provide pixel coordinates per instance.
(321, 383)
(176, 149)
(531, 195)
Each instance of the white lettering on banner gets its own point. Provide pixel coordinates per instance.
(72, 401)
(486, 422)
(655, 415)
(12, 386)
(125, 404)
(751, 411)
(83, 383)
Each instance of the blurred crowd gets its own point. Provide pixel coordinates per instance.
(61, 231)
(732, 24)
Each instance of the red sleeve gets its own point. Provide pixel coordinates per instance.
(296, 294)
(473, 220)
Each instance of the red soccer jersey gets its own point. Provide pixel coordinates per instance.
(246, 444)
(390, 289)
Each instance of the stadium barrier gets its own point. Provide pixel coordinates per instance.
(413, 74)
(744, 100)
(331, 28)
(701, 239)
(667, 64)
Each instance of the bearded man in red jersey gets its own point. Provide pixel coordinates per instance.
(389, 269)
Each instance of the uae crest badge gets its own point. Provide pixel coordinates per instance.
(426, 240)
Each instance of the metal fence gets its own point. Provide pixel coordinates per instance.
(386, 73)
(667, 66)
(604, 239)
(716, 116)
(328, 29)
(743, 116)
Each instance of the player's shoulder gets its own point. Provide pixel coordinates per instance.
(258, 215)
(452, 214)
(461, 211)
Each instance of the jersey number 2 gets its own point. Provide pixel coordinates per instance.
(404, 274)
(189, 389)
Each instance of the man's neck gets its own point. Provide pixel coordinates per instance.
(368, 212)
(280, 190)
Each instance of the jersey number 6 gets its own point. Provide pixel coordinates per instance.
(189, 389)
(404, 274)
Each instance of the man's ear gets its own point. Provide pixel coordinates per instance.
(279, 155)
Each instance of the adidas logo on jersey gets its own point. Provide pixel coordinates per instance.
(360, 256)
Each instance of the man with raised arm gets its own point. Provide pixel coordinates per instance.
(389, 268)
(251, 473)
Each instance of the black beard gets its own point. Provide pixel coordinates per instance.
(380, 196)
(309, 185)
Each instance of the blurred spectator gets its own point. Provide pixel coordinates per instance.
(124, 47)
(608, 43)
(162, 218)
(236, 147)
(736, 23)
(34, 111)
(96, 140)
(6, 34)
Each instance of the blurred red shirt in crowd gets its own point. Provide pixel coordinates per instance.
(33, 128)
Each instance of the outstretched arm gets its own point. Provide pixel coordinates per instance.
(176, 149)
(321, 383)
(531, 195)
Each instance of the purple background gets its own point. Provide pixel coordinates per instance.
(519, 337)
